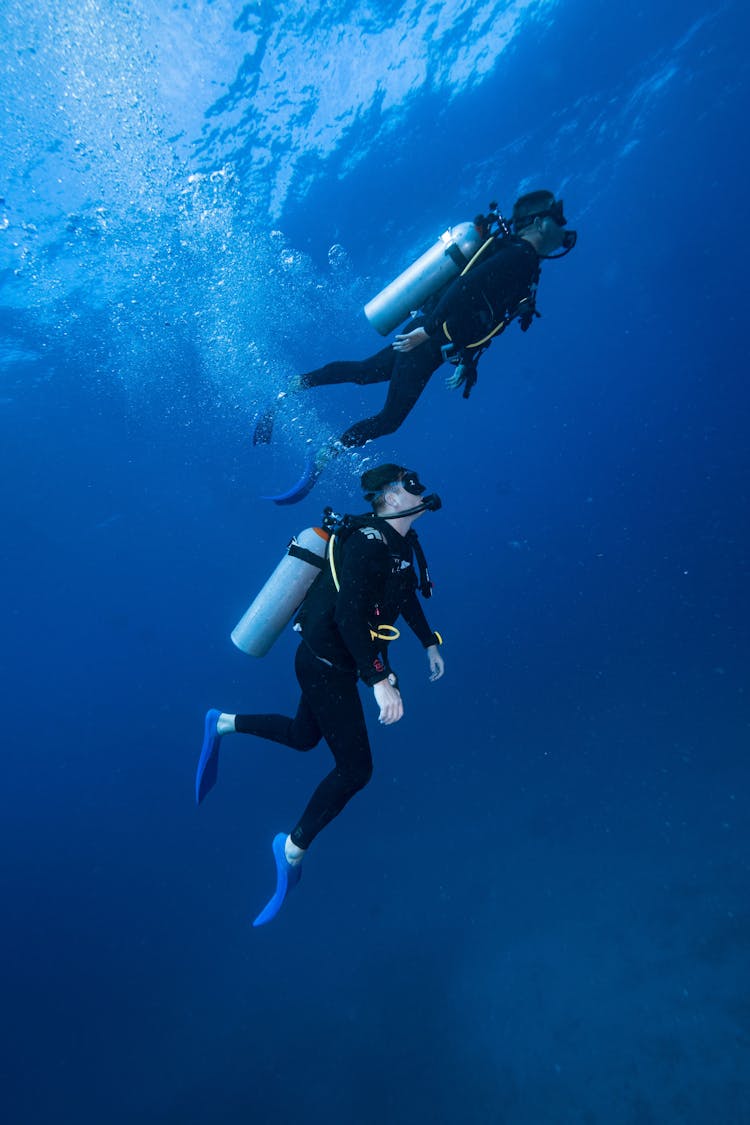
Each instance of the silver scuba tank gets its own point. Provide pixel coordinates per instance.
(437, 266)
(282, 594)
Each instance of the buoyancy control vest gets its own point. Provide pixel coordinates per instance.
(341, 528)
(487, 311)
(308, 554)
(498, 318)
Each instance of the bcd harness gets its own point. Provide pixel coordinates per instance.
(467, 357)
(336, 530)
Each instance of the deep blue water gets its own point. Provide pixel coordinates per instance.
(538, 910)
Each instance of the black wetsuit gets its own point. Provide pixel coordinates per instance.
(467, 306)
(377, 584)
(491, 291)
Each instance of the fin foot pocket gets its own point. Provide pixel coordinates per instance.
(208, 763)
(287, 877)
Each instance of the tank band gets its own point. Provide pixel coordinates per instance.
(310, 557)
(457, 256)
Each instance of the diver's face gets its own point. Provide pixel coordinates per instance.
(401, 500)
(409, 499)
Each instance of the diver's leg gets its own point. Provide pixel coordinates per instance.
(334, 698)
(300, 733)
(411, 374)
(376, 369)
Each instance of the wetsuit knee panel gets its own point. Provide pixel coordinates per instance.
(355, 778)
(306, 743)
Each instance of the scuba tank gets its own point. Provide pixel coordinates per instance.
(443, 262)
(283, 593)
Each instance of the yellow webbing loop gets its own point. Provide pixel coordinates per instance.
(500, 328)
(384, 633)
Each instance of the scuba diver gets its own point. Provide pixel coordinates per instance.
(457, 323)
(346, 622)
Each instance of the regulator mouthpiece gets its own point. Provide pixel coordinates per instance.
(570, 237)
(432, 503)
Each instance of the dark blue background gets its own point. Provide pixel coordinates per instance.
(537, 911)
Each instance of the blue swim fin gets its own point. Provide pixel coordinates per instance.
(304, 485)
(287, 877)
(208, 763)
(315, 465)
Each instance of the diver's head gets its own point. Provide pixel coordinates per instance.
(394, 491)
(538, 217)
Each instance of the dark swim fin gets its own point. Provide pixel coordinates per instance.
(300, 490)
(263, 431)
(287, 877)
(208, 763)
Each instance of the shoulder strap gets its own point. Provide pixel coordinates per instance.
(352, 524)
(425, 582)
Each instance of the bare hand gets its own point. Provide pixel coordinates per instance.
(457, 379)
(409, 340)
(437, 664)
(388, 699)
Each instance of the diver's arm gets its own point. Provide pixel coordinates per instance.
(414, 616)
(453, 298)
(460, 304)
